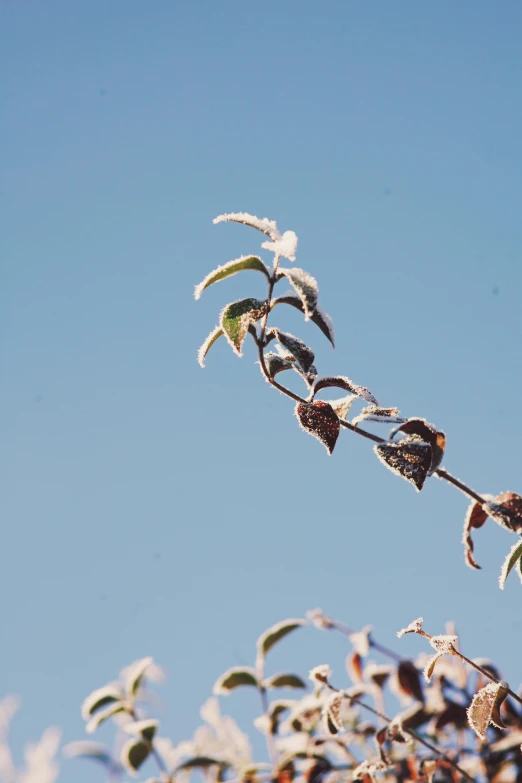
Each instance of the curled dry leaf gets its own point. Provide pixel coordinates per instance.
(383, 415)
(320, 420)
(414, 627)
(332, 713)
(430, 667)
(354, 667)
(306, 288)
(424, 431)
(506, 510)
(303, 355)
(475, 518)
(341, 382)
(411, 459)
(409, 680)
(485, 708)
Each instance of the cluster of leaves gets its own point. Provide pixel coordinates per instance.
(413, 450)
(453, 719)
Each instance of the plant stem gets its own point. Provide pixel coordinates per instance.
(269, 735)
(157, 757)
(442, 473)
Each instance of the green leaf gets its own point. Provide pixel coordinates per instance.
(274, 634)
(284, 680)
(100, 698)
(89, 750)
(305, 286)
(513, 557)
(207, 345)
(135, 674)
(134, 753)
(319, 317)
(232, 268)
(234, 678)
(102, 715)
(143, 728)
(237, 317)
(202, 762)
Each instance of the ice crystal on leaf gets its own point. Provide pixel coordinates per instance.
(444, 644)
(236, 318)
(485, 708)
(382, 415)
(207, 345)
(306, 288)
(318, 317)
(253, 263)
(319, 619)
(320, 420)
(410, 458)
(320, 673)
(514, 556)
(361, 640)
(341, 382)
(413, 627)
(332, 713)
(476, 516)
(268, 227)
(285, 246)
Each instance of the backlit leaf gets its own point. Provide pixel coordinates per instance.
(134, 753)
(426, 432)
(100, 698)
(409, 680)
(341, 382)
(413, 627)
(237, 317)
(342, 405)
(485, 708)
(268, 227)
(319, 317)
(135, 674)
(320, 420)
(305, 286)
(207, 345)
(102, 715)
(507, 509)
(511, 560)
(374, 413)
(430, 667)
(410, 459)
(475, 518)
(303, 355)
(276, 363)
(143, 728)
(227, 270)
(235, 678)
(277, 632)
(284, 680)
(332, 713)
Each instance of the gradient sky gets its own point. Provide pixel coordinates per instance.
(150, 507)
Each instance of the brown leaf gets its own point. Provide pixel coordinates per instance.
(427, 433)
(512, 507)
(354, 667)
(454, 714)
(411, 459)
(485, 708)
(320, 420)
(475, 518)
(409, 680)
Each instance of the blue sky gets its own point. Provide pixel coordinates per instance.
(151, 507)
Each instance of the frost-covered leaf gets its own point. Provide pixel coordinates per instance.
(430, 667)
(268, 227)
(413, 627)
(284, 680)
(277, 632)
(237, 317)
(513, 557)
(235, 678)
(135, 674)
(207, 345)
(485, 708)
(320, 420)
(374, 413)
(506, 509)
(342, 405)
(409, 680)
(102, 715)
(134, 753)
(319, 317)
(90, 750)
(475, 518)
(410, 459)
(378, 673)
(285, 245)
(361, 640)
(320, 673)
(202, 762)
(305, 286)
(227, 270)
(332, 713)
(354, 667)
(445, 644)
(143, 728)
(341, 382)
(424, 431)
(276, 363)
(100, 698)
(304, 356)
(318, 618)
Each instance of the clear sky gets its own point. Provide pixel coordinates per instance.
(151, 507)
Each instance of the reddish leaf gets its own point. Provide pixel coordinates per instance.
(354, 667)
(340, 382)
(427, 433)
(409, 680)
(475, 518)
(511, 506)
(411, 458)
(485, 708)
(320, 420)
